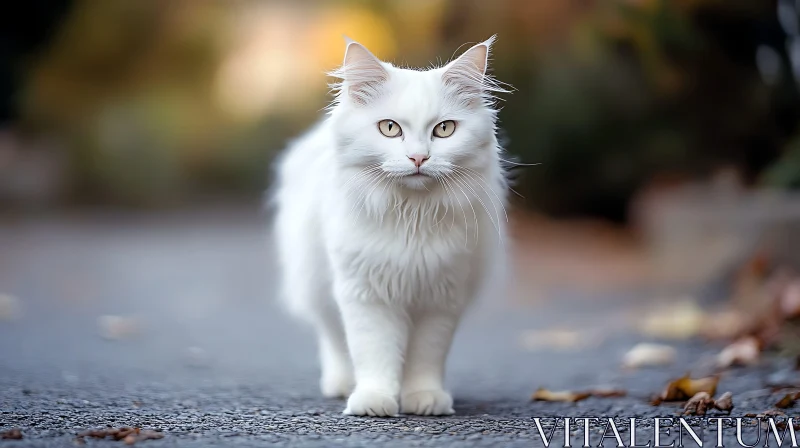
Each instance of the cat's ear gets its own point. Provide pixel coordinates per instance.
(362, 73)
(468, 71)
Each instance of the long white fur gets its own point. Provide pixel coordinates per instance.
(382, 263)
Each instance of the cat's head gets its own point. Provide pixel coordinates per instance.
(415, 126)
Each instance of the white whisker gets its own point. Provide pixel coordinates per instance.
(474, 214)
(361, 199)
(375, 184)
(481, 181)
(519, 164)
(447, 207)
(360, 174)
(463, 212)
(458, 178)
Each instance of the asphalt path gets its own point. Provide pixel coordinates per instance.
(200, 351)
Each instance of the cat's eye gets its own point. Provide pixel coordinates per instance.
(389, 128)
(444, 129)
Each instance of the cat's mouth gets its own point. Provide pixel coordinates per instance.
(417, 180)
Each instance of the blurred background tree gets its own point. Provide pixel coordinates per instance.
(156, 102)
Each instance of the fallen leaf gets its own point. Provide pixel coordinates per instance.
(607, 393)
(552, 339)
(788, 400)
(698, 404)
(648, 355)
(744, 352)
(685, 388)
(119, 434)
(681, 320)
(128, 435)
(542, 394)
(11, 434)
(141, 436)
(725, 402)
(96, 433)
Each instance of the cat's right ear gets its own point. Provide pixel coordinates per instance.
(362, 73)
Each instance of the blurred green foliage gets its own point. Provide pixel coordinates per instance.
(608, 94)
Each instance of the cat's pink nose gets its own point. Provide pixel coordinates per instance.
(418, 159)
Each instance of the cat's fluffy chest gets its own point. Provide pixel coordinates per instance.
(429, 261)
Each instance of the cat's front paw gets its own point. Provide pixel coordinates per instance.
(427, 402)
(372, 403)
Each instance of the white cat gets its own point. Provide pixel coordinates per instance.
(390, 221)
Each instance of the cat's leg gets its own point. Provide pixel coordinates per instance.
(307, 295)
(376, 337)
(423, 379)
(337, 370)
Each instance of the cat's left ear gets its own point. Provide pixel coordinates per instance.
(469, 70)
(362, 72)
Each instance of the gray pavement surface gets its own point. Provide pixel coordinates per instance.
(216, 363)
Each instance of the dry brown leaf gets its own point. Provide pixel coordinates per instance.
(698, 404)
(96, 433)
(11, 434)
(685, 388)
(552, 339)
(725, 402)
(744, 352)
(141, 436)
(607, 393)
(648, 355)
(788, 400)
(682, 320)
(119, 434)
(128, 435)
(542, 394)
